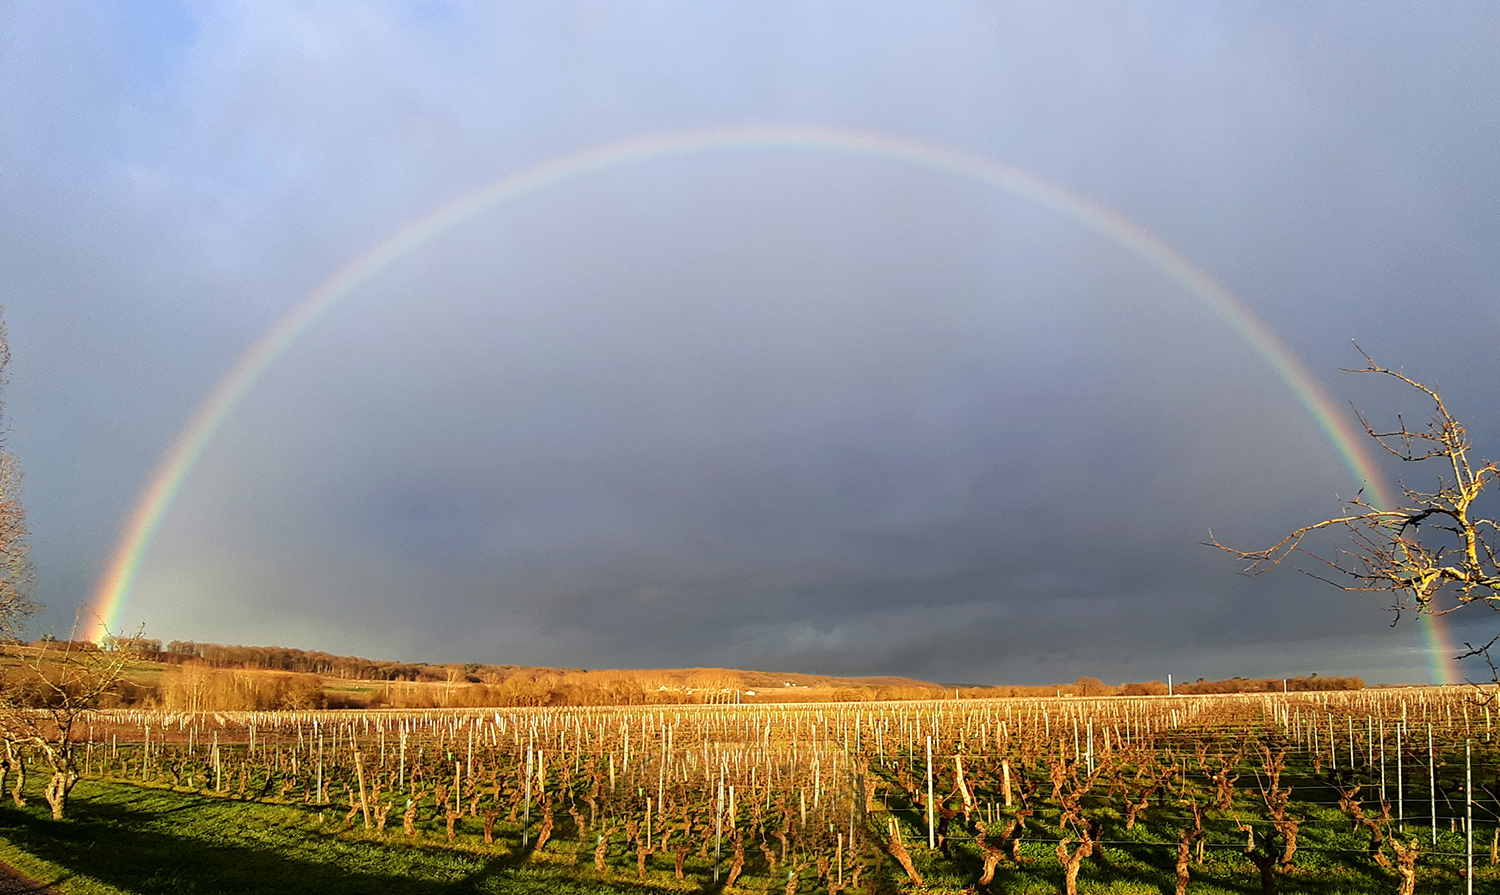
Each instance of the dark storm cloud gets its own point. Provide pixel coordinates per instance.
(748, 428)
(759, 409)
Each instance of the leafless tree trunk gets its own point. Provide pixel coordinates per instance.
(1406, 866)
(19, 761)
(17, 574)
(1185, 840)
(897, 849)
(545, 831)
(1071, 862)
(997, 848)
(601, 848)
(737, 866)
(409, 818)
(1263, 857)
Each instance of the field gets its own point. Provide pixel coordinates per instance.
(1316, 792)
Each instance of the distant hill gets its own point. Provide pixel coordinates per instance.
(188, 676)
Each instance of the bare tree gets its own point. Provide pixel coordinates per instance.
(55, 686)
(44, 696)
(1437, 542)
(17, 576)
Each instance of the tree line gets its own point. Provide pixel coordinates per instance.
(283, 658)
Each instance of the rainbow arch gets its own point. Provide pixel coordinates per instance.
(113, 591)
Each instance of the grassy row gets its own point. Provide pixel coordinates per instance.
(124, 838)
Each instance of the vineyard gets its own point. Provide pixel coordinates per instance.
(1375, 790)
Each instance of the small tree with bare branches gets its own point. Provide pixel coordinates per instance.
(1437, 542)
(17, 574)
(43, 701)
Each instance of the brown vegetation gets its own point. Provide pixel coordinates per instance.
(189, 676)
(197, 687)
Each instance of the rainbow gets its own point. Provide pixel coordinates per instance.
(113, 591)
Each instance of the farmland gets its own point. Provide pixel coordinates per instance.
(1316, 792)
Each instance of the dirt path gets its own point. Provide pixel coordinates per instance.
(14, 882)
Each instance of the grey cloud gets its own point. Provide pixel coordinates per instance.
(764, 409)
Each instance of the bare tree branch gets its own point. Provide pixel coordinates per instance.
(17, 575)
(1434, 544)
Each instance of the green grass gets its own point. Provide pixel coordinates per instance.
(124, 838)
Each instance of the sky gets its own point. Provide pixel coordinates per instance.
(763, 406)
